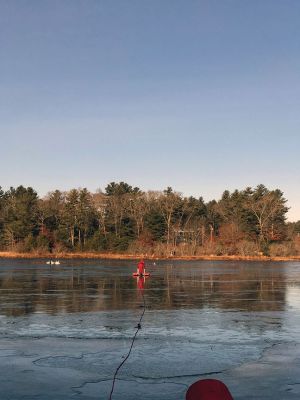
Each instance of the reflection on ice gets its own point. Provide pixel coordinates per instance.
(293, 296)
(99, 286)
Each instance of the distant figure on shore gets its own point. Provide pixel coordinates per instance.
(141, 268)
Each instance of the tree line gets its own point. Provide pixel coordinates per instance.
(125, 219)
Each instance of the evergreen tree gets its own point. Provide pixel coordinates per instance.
(20, 217)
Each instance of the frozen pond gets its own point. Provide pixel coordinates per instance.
(64, 329)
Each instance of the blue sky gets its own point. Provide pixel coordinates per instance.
(202, 96)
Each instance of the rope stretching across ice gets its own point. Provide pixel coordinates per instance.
(138, 327)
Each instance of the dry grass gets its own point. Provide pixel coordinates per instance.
(113, 256)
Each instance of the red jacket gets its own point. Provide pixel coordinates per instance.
(141, 267)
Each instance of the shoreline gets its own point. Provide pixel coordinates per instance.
(114, 256)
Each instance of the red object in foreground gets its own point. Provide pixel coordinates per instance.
(136, 274)
(208, 389)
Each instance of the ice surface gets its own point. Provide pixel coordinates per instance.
(76, 355)
(237, 323)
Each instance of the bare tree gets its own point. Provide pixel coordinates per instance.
(268, 208)
(169, 202)
(101, 205)
(138, 208)
(71, 213)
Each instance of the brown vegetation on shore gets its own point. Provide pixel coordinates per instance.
(111, 256)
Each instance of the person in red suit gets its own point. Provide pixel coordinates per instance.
(141, 268)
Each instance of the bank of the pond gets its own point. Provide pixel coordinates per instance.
(114, 256)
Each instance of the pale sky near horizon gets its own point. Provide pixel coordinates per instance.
(202, 96)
